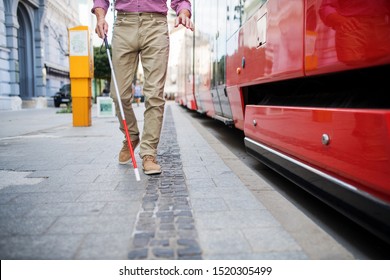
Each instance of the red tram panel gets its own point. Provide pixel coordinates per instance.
(339, 142)
(307, 82)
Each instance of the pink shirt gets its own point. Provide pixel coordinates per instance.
(139, 6)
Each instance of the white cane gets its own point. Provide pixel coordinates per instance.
(137, 177)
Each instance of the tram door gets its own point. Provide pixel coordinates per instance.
(218, 82)
(203, 46)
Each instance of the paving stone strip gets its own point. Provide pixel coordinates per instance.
(165, 227)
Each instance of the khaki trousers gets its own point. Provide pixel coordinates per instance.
(141, 36)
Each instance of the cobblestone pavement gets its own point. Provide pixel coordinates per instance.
(165, 225)
(63, 195)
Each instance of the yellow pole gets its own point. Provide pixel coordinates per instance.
(81, 73)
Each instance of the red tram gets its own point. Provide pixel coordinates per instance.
(308, 81)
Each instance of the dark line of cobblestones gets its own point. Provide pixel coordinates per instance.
(165, 227)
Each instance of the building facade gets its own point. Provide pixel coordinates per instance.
(34, 60)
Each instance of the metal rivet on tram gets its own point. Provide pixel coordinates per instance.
(254, 123)
(325, 139)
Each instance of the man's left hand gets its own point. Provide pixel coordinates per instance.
(184, 19)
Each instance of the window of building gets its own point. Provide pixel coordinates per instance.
(47, 43)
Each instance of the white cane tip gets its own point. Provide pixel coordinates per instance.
(137, 177)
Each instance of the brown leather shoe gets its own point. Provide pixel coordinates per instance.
(150, 165)
(124, 154)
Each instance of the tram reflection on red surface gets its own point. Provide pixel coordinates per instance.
(308, 83)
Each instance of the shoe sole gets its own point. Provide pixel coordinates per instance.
(124, 162)
(152, 172)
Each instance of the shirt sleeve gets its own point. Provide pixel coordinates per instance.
(178, 5)
(104, 4)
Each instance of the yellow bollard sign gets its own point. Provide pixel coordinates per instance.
(81, 73)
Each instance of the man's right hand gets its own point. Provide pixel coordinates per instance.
(101, 24)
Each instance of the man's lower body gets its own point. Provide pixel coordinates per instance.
(144, 36)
